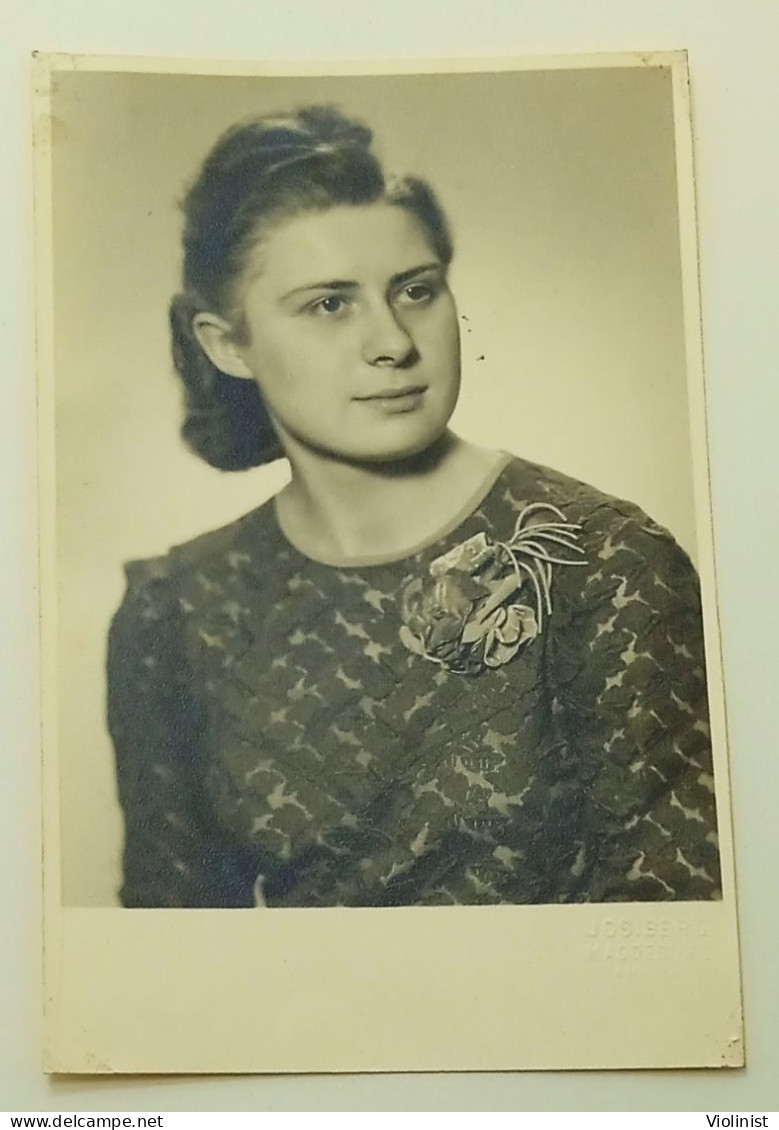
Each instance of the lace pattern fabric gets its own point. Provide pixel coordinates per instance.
(279, 742)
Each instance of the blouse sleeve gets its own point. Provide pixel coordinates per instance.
(173, 854)
(634, 699)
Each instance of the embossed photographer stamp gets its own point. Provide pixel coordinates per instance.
(628, 941)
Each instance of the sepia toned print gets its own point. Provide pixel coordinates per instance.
(383, 714)
(426, 672)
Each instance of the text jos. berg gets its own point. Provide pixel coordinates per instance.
(616, 928)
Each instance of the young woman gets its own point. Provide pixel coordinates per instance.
(424, 673)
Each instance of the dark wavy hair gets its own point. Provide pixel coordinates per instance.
(259, 172)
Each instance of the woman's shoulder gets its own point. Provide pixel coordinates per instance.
(626, 559)
(609, 524)
(528, 481)
(223, 548)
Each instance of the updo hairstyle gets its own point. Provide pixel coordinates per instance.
(259, 172)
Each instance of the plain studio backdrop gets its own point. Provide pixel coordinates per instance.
(560, 187)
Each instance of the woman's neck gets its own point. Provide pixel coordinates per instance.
(333, 509)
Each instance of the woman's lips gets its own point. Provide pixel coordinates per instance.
(393, 393)
(395, 401)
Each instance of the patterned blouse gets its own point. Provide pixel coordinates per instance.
(514, 713)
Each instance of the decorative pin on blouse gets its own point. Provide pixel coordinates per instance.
(467, 615)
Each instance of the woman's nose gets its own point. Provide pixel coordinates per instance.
(386, 340)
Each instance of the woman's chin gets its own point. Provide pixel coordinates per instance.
(395, 446)
(413, 448)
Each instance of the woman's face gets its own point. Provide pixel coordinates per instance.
(352, 333)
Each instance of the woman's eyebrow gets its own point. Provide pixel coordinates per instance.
(329, 284)
(404, 276)
(346, 284)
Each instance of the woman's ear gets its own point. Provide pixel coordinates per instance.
(217, 340)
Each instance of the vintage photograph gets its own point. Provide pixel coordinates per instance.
(383, 559)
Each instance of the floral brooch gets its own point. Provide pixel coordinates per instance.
(468, 615)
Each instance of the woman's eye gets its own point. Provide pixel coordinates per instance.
(330, 304)
(418, 293)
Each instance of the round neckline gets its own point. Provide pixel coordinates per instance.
(372, 559)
